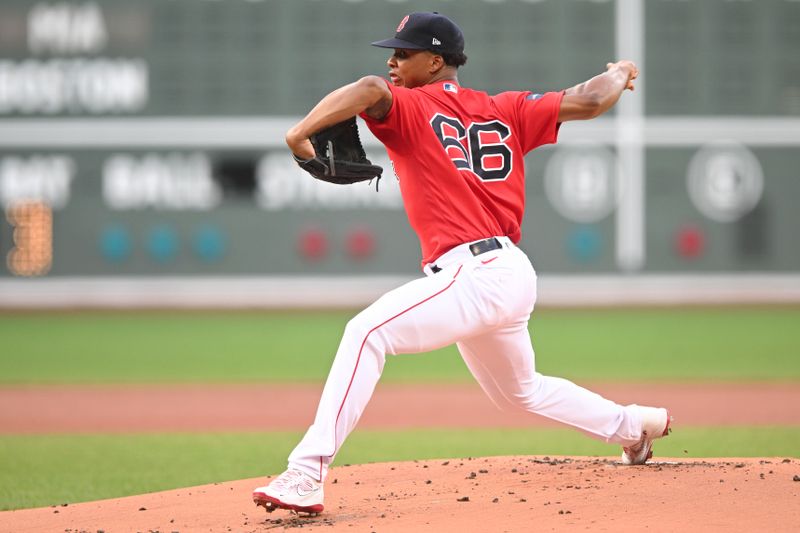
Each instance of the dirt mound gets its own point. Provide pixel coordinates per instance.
(476, 494)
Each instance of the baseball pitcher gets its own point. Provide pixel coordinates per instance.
(458, 154)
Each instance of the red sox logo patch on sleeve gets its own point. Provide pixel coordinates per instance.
(402, 24)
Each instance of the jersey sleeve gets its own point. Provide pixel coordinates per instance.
(536, 116)
(395, 122)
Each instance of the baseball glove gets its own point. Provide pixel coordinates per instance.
(340, 158)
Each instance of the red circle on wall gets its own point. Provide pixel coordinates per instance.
(361, 243)
(312, 244)
(690, 242)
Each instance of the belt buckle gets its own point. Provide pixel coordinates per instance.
(486, 245)
(477, 248)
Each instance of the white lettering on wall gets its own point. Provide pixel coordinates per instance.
(162, 181)
(38, 178)
(65, 28)
(73, 85)
(281, 184)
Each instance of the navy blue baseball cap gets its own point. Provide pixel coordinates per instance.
(426, 31)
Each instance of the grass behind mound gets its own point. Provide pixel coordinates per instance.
(730, 343)
(38, 471)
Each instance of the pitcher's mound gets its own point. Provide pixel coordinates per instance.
(480, 494)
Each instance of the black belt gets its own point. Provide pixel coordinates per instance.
(478, 248)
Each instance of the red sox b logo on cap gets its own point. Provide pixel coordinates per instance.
(402, 24)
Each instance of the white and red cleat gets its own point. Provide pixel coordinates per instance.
(655, 424)
(293, 490)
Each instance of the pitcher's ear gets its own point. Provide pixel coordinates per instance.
(436, 63)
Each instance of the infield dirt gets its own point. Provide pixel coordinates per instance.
(27, 409)
(499, 494)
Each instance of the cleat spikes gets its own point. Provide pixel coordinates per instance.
(268, 506)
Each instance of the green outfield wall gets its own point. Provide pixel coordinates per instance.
(145, 137)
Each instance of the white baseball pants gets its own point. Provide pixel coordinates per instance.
(483, 304)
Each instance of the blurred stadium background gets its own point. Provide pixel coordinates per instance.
(142, 160)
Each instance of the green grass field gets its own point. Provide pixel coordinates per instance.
(698, 344)
(605, 344)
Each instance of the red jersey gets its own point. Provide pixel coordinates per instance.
(458, 154)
